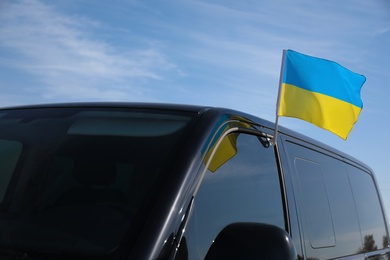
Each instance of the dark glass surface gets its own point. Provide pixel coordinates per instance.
(340, 207)
(315, 203)
(244, 188)
(369, 210)
(77, 183)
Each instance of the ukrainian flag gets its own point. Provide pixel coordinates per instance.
(321, 92)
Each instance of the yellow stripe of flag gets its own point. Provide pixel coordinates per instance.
(324, 111)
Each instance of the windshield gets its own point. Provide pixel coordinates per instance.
(79, 182)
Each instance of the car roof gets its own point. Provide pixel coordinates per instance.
(198, 109)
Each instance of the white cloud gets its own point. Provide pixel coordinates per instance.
(70, 61)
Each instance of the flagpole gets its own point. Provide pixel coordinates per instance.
(274, 141)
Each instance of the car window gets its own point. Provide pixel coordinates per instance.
(241, 186)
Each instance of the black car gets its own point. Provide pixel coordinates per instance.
(160, 181)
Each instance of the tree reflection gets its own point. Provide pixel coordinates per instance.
(368, 244)
(385, 242)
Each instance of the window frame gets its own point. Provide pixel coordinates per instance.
(225, 129)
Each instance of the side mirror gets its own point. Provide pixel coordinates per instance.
(252, 241)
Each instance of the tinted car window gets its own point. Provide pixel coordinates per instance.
(78, 182)
(315, 204)
(339, 205)
(342, 206)
(369, 210)
(9, 155)
(242, 186)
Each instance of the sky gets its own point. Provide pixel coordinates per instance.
(224, 53)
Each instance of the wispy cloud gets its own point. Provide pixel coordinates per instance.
(70, 61)
(183, 48)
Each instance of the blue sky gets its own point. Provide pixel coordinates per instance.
(208, 52)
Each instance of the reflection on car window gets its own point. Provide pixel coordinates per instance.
(77, 181)
(369, 210)
(244, 188)
(341, 209)
(315, 203)
(9, 155)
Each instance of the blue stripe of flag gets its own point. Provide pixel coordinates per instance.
(323, 76)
